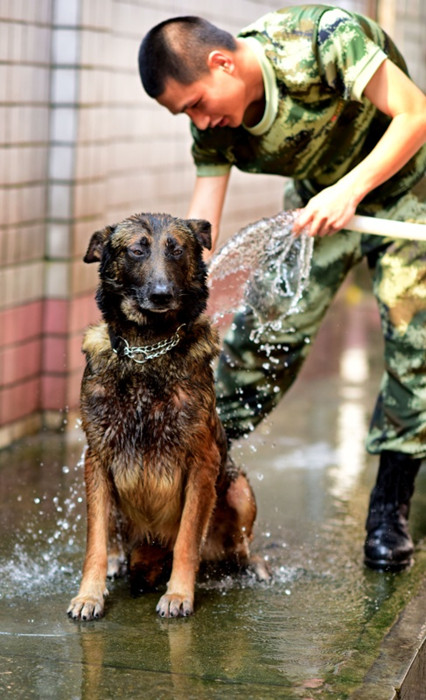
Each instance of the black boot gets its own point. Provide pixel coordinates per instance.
(388, 545)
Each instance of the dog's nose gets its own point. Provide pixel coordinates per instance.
(161, 294)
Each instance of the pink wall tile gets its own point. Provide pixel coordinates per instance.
(83, 312)
(55, 316)
(20, 362)
(75, 355)
(20, 323)
(54, 392)
(55, 356)
(19, 400)
(74, 383)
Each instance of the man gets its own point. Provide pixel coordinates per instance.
(321, 95)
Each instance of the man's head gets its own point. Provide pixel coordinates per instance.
(188, 66)
(179, 48)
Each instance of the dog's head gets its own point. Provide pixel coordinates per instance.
(151, 265)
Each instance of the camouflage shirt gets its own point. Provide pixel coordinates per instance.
(316, 61)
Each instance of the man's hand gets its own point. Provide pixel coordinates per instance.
(327, 212)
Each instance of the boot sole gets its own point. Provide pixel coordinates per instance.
(387, 566)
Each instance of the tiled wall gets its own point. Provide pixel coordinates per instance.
(24, 147)
(82, 146)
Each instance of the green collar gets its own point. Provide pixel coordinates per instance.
(271, 90)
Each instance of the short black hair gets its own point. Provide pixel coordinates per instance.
(178, 48)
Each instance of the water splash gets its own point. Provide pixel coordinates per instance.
(281, 576)
(264, 267)
(46, 554)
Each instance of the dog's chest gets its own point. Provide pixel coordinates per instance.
(129, 415)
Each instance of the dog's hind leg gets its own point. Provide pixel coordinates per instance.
(231, 528)
(89, 603)
(240, 498)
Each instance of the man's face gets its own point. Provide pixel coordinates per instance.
(218, 98)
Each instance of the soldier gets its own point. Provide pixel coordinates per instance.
(321, 95)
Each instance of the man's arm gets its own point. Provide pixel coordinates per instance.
(391, 91)
(207, 201)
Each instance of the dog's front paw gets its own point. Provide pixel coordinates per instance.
(175, 605)
(87, 606)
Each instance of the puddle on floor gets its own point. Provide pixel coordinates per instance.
(313, 631)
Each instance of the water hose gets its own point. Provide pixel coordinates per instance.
(387, 227)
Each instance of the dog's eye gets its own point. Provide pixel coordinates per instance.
(139, 249)
(172, 248)
(136, 252)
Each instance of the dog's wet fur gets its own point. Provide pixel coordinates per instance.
(161, 489)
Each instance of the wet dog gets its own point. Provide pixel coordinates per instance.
(159, 483)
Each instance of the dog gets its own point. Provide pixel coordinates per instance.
(159, 483)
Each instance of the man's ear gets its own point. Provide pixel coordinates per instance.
(97, 243)
(202, 231)
(223, 61)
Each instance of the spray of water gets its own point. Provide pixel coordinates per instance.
(46, 552)
(264, 267)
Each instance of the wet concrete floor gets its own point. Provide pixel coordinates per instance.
(323, 627)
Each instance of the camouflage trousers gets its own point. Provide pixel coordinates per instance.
(253, 375)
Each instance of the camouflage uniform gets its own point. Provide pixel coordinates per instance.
(317, 126)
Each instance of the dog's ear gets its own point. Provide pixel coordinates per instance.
(96, 245)
(202, 230)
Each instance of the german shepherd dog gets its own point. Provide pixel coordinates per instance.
(159, 483)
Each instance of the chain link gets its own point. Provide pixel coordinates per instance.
(150, 352)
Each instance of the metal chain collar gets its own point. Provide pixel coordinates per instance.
(149, 352)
